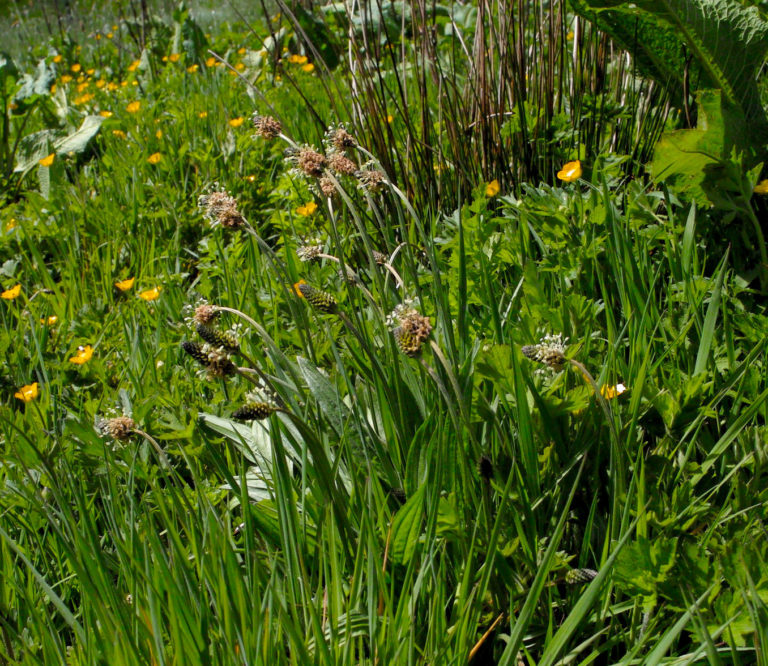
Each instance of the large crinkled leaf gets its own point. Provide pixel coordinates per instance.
(38, 83)
(35, 146)
(689, 159)
(728, 43)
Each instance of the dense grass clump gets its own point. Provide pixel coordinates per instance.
(377, 337)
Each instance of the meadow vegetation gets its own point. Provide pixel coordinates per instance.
(389, 333)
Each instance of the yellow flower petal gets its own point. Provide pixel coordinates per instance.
(118, 133)
(174, 57)
(57, 58)
(105, 113)
(610, 392)
(761, 187)
(492, 188)
(236, 122)
(309, 67)
(296, 286)
(193, 68)
(307, 209)
(76, 68)
(571, 171)
(202, 114)
(125, 285)
(27, 393)
(154, 158)
(82, 355)
(10, 294)
(133, 107)
(134, 65)
(50, 321)
(210, 62)
(47, 161)
(150, 294)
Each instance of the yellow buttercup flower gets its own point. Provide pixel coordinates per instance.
(66, 78)
(134, 65)
(133, 107)
(118, 133)
(50, 321)
(11, 224)
(125, 285)
(240, 66)
(761, 187)
(101, 83)
(236, 122)
(105, 114)
(47, 161)
(82, 355)
(307, 209)
(10, 294)
(150, 294)
(309, 67)
(174, 57)
(193, 68)
(571, 171)
(610, 392)
(202, 114)
(76, 68)
(390, 119)
(210, 62)
(27, 393)
(112, 86)
(154, 158)
(492, 188)
(57, 58)
(297, 59)
(241, 51)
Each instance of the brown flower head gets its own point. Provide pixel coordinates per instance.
(341, 164)
(120, 428)
(371, 180)
(327, 187)
(219, 208)
(267, 127)
(339, 138)
(205, 313)
(307, 160)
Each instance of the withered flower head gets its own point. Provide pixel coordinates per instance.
(370, 179)
(319, 300)
(327, 187)
(307, 160)
(205, 313)
(550, 351)
(267, 127)
(341, 164)
(219, 208)
(120, 428)
(339, 138)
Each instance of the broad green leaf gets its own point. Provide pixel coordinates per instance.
(407, 527)
(727, 40)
